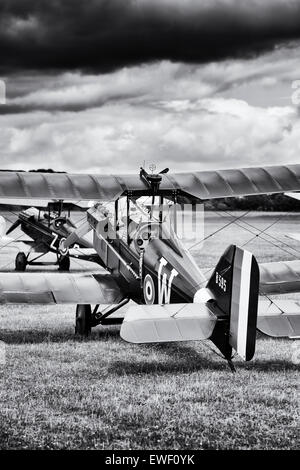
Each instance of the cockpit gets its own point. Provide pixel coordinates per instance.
(138, 221)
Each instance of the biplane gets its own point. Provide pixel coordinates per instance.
(146, 262)
(46, 225)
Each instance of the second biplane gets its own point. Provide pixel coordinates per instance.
(45, 228)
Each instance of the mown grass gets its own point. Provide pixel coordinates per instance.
(102, 393)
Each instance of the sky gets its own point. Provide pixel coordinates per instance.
(104, 85)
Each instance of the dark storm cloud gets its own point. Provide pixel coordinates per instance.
(103, 35)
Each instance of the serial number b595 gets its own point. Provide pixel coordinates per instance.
(220, 281)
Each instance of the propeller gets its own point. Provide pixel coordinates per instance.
(153, 180)
(13, 226)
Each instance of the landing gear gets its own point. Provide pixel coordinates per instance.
(64, 263)
(83, 320)
(21, 261)
(86, 318)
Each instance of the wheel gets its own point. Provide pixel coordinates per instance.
(83, 320)
(21, 261)
(64, 263)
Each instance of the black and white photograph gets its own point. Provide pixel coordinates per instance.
(149, 227)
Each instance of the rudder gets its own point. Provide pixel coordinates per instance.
(234, 285)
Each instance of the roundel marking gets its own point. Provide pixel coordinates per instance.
(149, 290)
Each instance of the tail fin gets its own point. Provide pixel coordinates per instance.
(234, 286)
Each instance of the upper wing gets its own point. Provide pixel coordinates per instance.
(199, 184)
(60, 186)
(58, 288)
(280, 277)
(239, 182)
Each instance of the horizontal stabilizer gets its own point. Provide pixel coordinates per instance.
(280, 277)
(170, 322)
(58, 288)
(279, 319)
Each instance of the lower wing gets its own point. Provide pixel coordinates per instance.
(58, 288)
(280, 277)
(280, 318)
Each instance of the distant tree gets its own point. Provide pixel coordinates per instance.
(49, 170)
(262, 202)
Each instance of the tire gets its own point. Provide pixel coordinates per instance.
(83, 324)
(64, 263)
(21, 261)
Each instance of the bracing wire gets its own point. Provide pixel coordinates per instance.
(256, 235)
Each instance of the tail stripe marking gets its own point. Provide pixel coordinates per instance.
(244, 304)
(235, 296)
(240, 301)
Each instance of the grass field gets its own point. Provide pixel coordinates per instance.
(102, 393)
